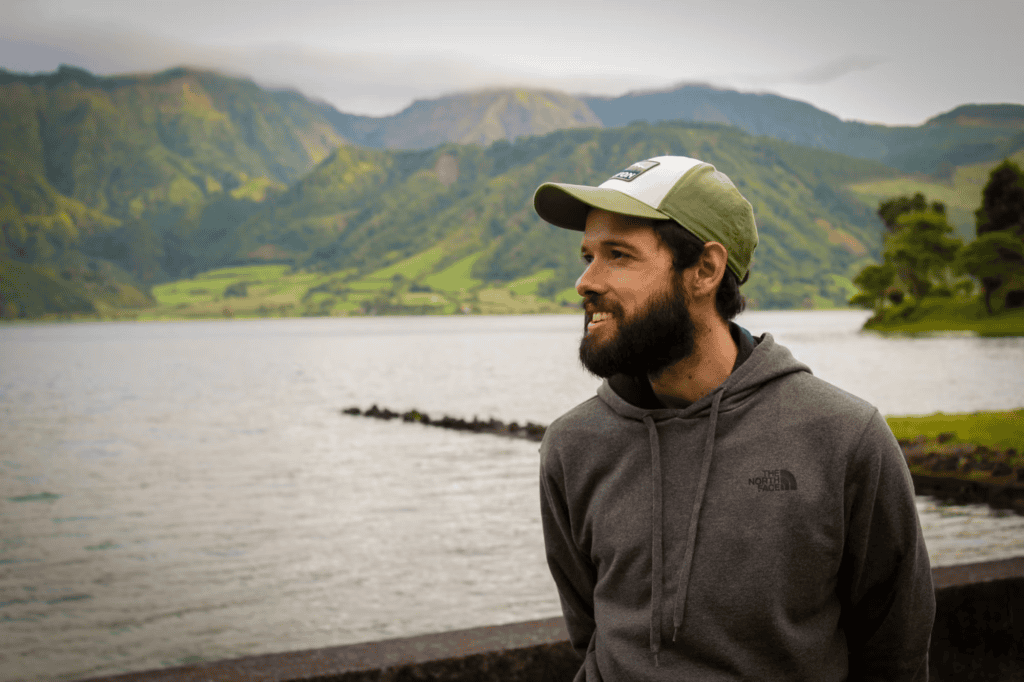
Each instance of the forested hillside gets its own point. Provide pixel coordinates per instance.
(97, 175)
(362, 210)
(111, 185)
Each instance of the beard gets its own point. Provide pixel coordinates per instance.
(647, 343)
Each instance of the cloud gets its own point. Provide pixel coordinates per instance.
(833, 70)
(819, 74)
(368, 83)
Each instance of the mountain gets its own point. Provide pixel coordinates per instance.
(758, 114)
(1010, 115)
(363, 210)
(94, 167)
(111, 184)
(969, 134)
(973, 134)
(470, 118)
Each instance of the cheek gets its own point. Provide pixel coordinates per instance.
(637, 287)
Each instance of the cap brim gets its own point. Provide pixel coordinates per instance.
(567, 206)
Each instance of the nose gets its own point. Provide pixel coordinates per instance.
(590, 282)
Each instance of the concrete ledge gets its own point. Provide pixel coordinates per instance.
(978, 635)
(521, 652)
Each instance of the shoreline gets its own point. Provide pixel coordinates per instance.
(944, 315)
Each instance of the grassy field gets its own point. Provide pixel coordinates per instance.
(403, 288)
(457, 277)
(995, 430)
(943, 314)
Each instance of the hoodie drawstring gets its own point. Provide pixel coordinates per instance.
(657, 561)
(698, 501)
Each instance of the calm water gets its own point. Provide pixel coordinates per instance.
(174, 492)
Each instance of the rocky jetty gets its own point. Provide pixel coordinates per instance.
(494, 427)
(954, 472)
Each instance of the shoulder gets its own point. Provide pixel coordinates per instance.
(810, 409)
(853, 425)
(586, 419)
(578, 430)
(817, 395)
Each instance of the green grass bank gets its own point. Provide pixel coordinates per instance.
(945, 314)
(999, 430)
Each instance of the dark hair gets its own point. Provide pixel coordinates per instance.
(686, 248)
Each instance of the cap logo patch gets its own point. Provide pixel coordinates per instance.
(634, 171)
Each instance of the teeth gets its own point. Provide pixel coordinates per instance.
(597, 317)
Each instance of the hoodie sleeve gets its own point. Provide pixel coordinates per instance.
(885, 582)
(572, 570)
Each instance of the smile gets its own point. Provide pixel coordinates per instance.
(597, 318)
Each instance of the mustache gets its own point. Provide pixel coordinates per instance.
(592, 303)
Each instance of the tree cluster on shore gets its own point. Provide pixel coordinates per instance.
(921, 257)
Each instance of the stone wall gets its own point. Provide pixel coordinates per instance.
(978, 635)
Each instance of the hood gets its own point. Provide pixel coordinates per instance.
(760, 361)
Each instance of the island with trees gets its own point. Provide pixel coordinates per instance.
(930, 281)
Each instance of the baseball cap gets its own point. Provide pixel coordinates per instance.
(693, 193)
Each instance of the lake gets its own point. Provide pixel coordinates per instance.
(172, 492)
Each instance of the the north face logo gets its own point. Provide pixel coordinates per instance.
(634, 171)
(773, 480)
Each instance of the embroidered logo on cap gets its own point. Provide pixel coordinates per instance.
(634, 171)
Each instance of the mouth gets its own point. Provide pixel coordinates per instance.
(596, 319)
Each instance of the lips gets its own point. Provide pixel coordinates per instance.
(597, 317)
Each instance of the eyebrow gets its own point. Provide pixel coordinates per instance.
(610, 243)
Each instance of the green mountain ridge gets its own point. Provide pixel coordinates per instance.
(478, 117)
(362, 210)
(111, 184)
(974, 133)
(969, 134)
(112, 168)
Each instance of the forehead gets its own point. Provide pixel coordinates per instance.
(603, 227)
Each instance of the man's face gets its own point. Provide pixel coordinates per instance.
(637, 321)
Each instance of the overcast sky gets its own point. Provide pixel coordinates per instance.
(891, 61)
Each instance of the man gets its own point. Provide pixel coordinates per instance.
(716, 512)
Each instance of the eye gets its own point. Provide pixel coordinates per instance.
(616, 254)
(587, 258)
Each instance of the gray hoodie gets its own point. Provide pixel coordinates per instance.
(766, 532)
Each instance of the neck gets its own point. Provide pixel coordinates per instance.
(711, 363)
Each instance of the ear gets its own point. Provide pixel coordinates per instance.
(706, 274)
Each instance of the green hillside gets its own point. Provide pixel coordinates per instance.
(122, 169)
(362, 210)
(968, 134)
(113, 187)
(960, 191)
(479, 117)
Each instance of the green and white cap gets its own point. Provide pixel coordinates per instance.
(692, 193)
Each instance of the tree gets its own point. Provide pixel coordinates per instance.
(1002, 203)
(917, 254)
(890, 210)
(921, 250)
(997, 255)
(991, 258)
(874, 282)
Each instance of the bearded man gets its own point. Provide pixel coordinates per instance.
(716, 512)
